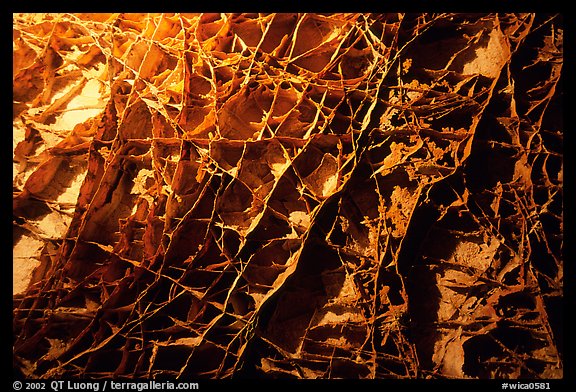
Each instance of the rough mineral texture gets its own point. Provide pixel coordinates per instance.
(287, 195)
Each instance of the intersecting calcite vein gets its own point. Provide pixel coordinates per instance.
(288, 195)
